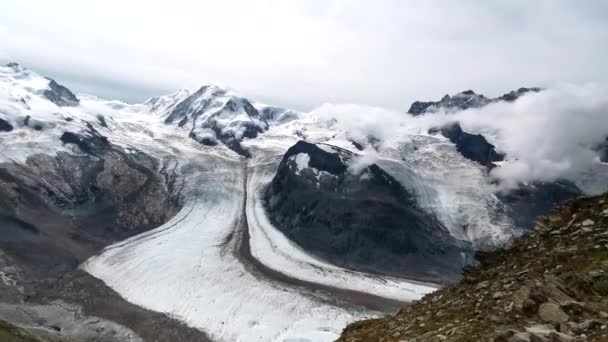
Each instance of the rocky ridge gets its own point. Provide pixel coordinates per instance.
(465, 100)
(551, 285)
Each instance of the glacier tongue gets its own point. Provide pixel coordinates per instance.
(189, 267)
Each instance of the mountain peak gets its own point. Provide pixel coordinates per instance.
(465, 100)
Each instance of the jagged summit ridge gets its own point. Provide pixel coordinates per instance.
(464, 100)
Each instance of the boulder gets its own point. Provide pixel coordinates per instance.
(552, 313)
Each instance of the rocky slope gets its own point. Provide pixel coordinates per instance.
(551, 285)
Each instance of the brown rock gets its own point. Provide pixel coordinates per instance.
(552, 313)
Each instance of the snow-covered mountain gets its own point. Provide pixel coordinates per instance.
(214, 115)
(247, 221)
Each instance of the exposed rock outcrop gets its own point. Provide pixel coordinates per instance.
(84, 201)
(358, 218)
(465, 100)
(516, 94)
(472, 146)
(5, 126)
(60, 95)
(90, 141)
(551, 285)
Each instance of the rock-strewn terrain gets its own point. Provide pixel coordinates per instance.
(551, 285)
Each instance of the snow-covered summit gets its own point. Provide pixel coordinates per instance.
(211, 115)
(162, 104)
(215, 115)
(21, 77)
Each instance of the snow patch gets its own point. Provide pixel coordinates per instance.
(327, 148)
(301, 160)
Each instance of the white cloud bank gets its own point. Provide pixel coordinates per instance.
(547, 136)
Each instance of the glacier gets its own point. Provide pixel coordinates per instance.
(219, 265)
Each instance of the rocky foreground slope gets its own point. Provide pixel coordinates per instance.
(551, 285)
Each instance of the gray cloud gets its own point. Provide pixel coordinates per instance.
(303, 53)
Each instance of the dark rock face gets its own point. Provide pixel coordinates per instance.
(60, 95)
(365, 221)
(5, 126)
(102, 121)
(62, 209)
(90, 142)
(515, 94)
(474, 147)
(528, 202)
(465, 100)
(419, 107)
(235, 104)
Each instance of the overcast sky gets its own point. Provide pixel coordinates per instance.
(301, 54)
